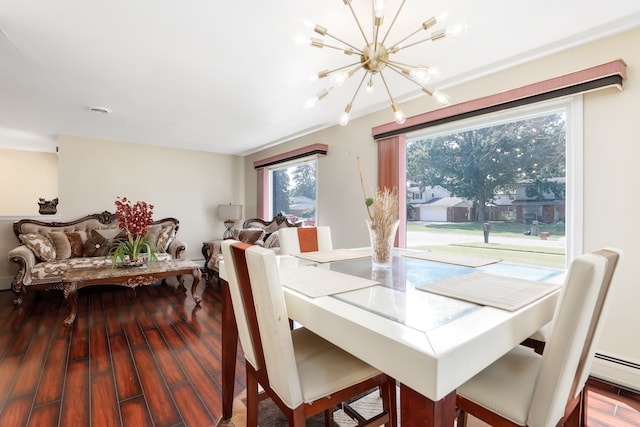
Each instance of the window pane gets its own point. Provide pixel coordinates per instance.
(293, 191)
(509, 174)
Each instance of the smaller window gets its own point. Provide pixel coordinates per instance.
(292, 190)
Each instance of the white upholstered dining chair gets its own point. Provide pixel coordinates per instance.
(304, 239)
(524, 388)
(301, 372)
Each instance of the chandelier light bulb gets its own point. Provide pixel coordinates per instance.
(443, 16)
(397, 113)
(378, 7)
(441, 98)
(420, 74)
(456, 29)
(337, 79)
(300, 40)
(311, 102)
(370, 88)
(344, 119)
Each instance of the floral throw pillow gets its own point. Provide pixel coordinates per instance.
(40, 245)
(165, 238)
(96, 245)
(272, 241)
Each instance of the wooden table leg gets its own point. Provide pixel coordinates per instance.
(418, 410)
(229, 351)
(71, 297)
(181, 283)
(196, 280)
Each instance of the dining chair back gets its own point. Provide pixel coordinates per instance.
(301, 372)
(526, 388)
(578, 324)
(304, 239)
(239, 311)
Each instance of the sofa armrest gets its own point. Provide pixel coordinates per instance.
(25, 259)
(176, 248)
(211, 250)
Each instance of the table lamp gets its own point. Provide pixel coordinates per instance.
(229, 214)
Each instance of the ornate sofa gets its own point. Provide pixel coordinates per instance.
(255, 231)
(48, 249)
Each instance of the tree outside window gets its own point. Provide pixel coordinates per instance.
(293, 191)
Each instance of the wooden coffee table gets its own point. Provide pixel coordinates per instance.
(130, 277)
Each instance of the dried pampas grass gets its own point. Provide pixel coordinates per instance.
(385, 207)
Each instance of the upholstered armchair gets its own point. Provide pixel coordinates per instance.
(254, 231)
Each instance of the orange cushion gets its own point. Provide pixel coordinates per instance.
(308, 238)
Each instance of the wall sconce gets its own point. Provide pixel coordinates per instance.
(229, 214)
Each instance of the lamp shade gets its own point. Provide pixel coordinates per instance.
(230, 212)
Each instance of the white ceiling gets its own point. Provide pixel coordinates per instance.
(226, 77)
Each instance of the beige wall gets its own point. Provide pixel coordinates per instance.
(187, 185)
(611, 153)
(26, 176)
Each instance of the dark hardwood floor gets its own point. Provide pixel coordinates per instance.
(143, 358)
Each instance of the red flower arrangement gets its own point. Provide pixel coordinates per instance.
(135, 220)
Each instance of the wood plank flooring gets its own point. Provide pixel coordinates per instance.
(147, 357)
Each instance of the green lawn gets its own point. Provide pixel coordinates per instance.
(497, 227)
(536, 255)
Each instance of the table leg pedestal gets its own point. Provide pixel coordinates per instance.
(196, 280)
(418, 410)
(71, 297)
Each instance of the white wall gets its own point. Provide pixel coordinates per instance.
(611, 153)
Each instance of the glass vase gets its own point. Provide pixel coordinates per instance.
(382, 237)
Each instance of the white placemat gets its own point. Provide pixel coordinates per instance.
(332, 255)
(316, 282)
(463, 260)
(507, 293)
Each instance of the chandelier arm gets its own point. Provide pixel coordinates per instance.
(393, 22)
(395, 48)
(434, 37)
(326, 73)
(342, 49)
(425, 88)
(384, 81)
(359, 86)
(343, 42)
(353, 13)
(402, 64)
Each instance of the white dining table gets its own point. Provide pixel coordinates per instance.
(429, 343)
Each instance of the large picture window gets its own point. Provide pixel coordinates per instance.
(516, 173)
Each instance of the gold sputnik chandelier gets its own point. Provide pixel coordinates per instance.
(376, 57)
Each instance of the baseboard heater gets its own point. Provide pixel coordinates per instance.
(616, 371)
